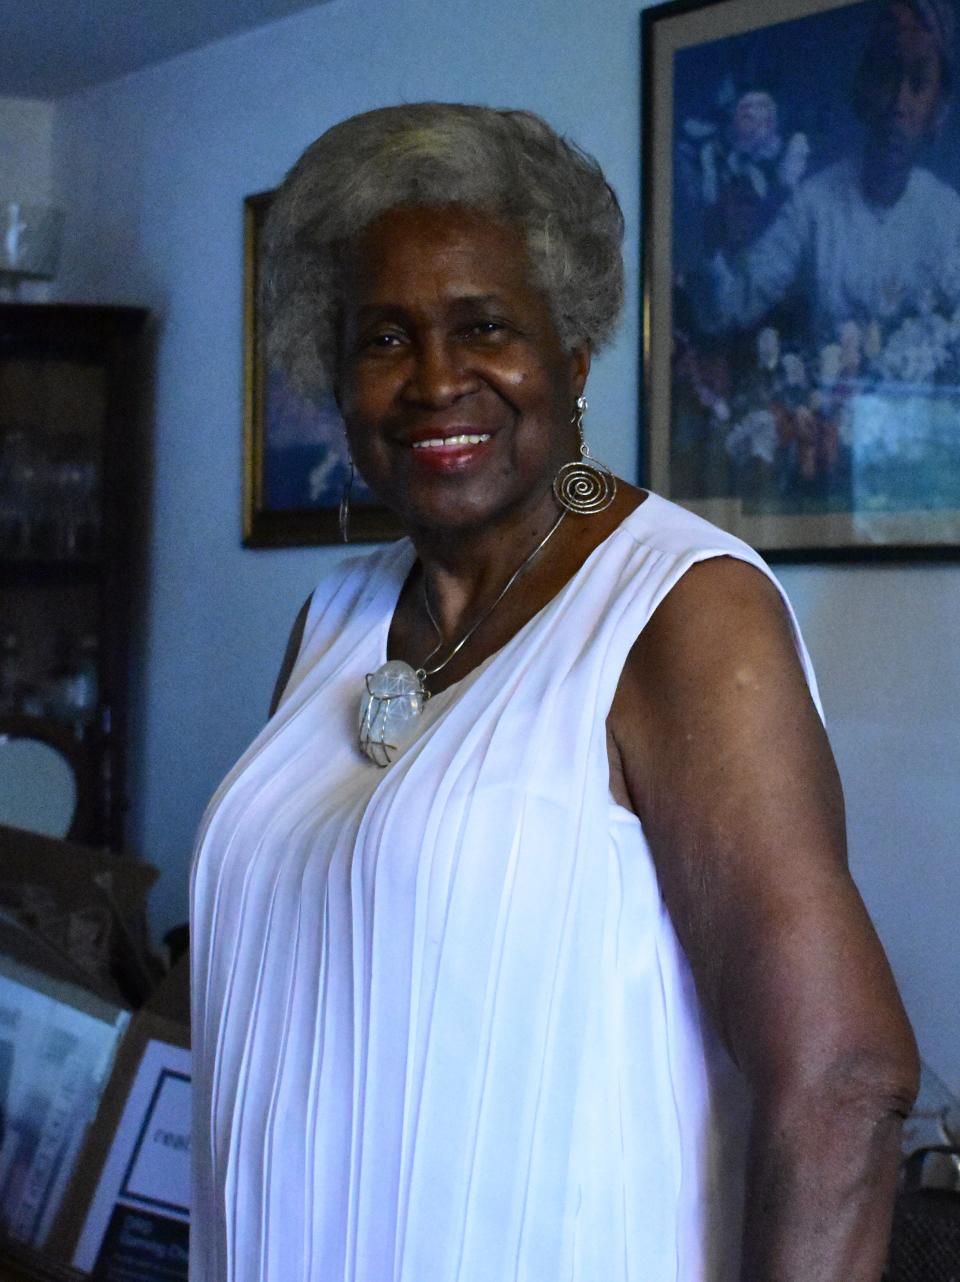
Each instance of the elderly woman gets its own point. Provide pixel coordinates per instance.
(556, 970)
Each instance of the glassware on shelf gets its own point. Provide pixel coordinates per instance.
(29, 244)
(18, 492)
(86, 691)
(73, 504)
(34, 699)
(72, 690)
(10, 504)
(66, 536)
(49, 496)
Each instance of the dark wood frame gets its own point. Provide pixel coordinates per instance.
(265, 527)
(656, 281)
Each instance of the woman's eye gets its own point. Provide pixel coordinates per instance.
(485, 329)
(381, 342)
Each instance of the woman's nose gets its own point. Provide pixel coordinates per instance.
(441, 374)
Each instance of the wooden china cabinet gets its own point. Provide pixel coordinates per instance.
(69, 394)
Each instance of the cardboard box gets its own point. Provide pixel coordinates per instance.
(57, 1047)
(71, 928)
(126, 1214)
(77, 913)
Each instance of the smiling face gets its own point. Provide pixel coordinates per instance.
(453, 383)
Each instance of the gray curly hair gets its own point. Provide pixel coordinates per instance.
(509, 164)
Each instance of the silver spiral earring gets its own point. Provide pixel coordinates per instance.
(343, 512)
(585, 486)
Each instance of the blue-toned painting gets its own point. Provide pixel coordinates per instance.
(812, 303)
(297, 464)
(305, 460)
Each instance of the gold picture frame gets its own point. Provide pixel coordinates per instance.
(800, 391)
(295, 459)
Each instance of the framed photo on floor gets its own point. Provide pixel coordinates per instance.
(801, 275)
(295, 455)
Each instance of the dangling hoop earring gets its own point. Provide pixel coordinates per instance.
(585, 486)
(343, 512)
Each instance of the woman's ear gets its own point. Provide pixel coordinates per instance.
(580, 357)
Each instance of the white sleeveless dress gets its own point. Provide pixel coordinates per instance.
(443, 1029)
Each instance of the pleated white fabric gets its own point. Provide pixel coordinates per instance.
(443, 1030)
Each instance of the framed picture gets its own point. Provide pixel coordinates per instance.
(295, 455)
(801, 275)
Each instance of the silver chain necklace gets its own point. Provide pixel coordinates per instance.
(395, 694)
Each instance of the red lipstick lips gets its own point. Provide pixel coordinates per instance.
(447, 449)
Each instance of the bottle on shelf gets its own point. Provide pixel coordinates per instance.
(73, 686)
(87, 688)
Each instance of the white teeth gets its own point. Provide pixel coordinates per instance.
(465, 438)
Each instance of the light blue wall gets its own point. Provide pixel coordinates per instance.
(153, 170)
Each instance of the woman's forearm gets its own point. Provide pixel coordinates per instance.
(821, 1181)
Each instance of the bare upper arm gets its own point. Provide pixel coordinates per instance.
(290, 655)
(725, 759)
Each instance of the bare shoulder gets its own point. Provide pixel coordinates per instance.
(722, 598)
(720, 642)
(720, 748)
(723, 756)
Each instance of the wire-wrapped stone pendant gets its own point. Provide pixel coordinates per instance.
(389, 710)
(396, 692)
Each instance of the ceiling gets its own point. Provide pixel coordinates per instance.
(49, 48)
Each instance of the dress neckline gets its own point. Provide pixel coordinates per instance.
(398, 568)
